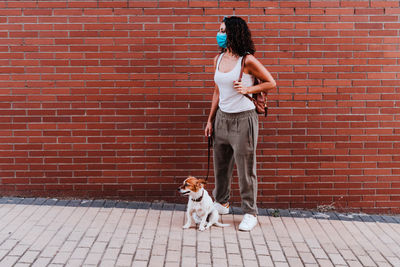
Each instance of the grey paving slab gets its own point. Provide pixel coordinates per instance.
(181, 207)
(74, 203)
(50, 201)
(110, 203)
(40, 201)
(122, 204)
(156, 206)
(98, 203)
(62, 202)
(262, 212)
(236, 210)
(86, 203)
(27, 201)
(73, 232)
(389, 219)
(13, 200)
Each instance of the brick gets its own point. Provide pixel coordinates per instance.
(145, 106)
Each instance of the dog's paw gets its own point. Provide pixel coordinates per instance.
(202, 228)
(186, 226)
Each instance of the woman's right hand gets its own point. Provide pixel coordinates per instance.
(208, 130)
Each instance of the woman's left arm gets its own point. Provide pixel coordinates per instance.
(254, 67)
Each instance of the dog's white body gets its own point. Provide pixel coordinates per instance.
(203, 209)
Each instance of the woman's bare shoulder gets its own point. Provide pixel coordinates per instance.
(216, 59)
(251, 59)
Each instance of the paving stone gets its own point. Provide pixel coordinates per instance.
(126, 233)
(40, 262)
(353, 263)
(307, 257)
(377, 218)
(235, 260)
(172, 264)
(133, 205)
(204, 258)
(27, 201)
(61, 257)
(173, 255)
(250, 263)
(110, 204)
(111, 254)
(277, 255)
(294, 261)
(337, 259)
(50, 201)
(306, 214)
(62, 202)
(265, 261)
(97, 203)
(29, 256)
(395, 261)
(125, 260)
(389, 219)
(74, 203)
(180, 207)
(80, 253)
(144, 205)
(107, 263)
(122, 204)
(262, 212)
(281, 264)
(156, 261)
(396, 218)
(319, 253)
(188, 261)
(295, 213)
(367, 219)
(168, 206)
(290, 252)
(284, 213)
(236, 210)
(18, 250)
(332, 215)
(8, 261)
(75, 263)
(156, 206)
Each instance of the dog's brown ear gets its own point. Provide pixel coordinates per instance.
(202, 181)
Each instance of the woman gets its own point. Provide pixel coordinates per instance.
(234, 118)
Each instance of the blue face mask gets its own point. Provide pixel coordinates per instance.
(221, 39)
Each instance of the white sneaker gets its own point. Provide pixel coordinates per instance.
(221, 209)
(248, 222)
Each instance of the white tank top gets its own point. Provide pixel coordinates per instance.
(230, 100)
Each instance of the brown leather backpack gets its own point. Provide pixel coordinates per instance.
(259, 99)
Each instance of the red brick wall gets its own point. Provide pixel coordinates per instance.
(109, 99)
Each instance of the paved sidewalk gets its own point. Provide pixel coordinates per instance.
(50, 232)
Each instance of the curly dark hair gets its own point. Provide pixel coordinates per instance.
(238, 36)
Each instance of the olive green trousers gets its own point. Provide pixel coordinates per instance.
(235, 141)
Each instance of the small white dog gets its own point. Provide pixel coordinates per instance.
(200, 204)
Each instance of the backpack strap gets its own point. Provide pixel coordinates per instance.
(241, 75)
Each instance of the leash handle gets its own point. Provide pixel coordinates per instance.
(209, 149)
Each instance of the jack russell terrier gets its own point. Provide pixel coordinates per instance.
(200, 205)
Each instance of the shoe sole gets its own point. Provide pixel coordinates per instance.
(245, 230)
(224, 212)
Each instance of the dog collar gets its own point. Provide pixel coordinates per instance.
(199, 199)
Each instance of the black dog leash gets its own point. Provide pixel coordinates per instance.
(209, 149)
